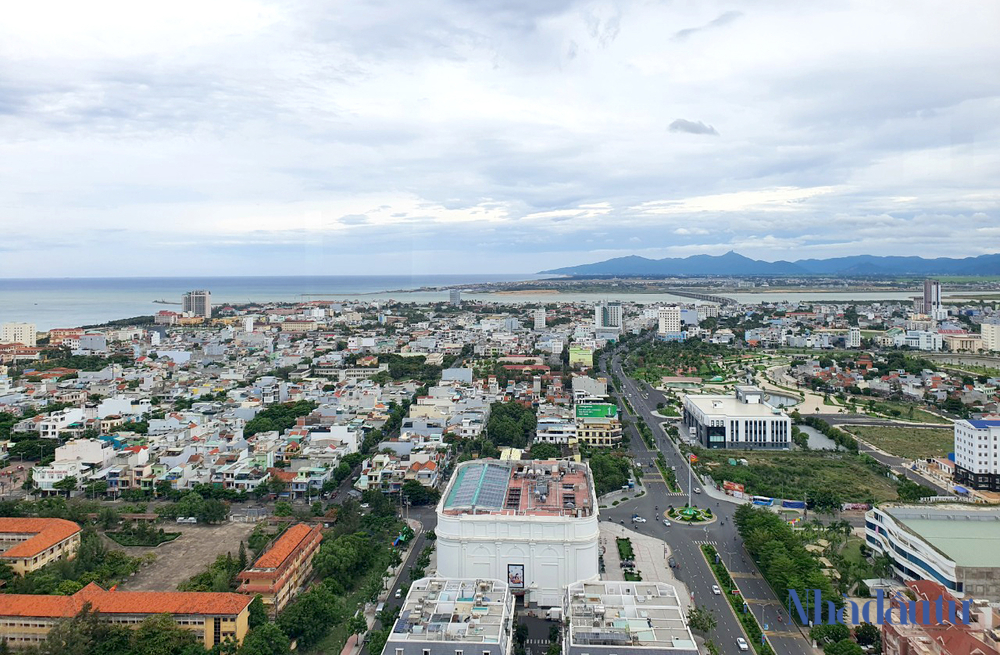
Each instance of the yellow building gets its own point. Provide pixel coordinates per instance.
(284, 567)
(29, 544)
(26, 619)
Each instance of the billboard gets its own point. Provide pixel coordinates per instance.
(733, 486)
(794, 504)
(597, 410)
(515, 576)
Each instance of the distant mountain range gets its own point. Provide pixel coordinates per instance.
(733, 263)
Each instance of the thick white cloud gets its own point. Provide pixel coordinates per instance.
(380, 137)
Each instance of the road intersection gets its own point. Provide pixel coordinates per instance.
(685, 540)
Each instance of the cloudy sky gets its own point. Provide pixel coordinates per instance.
(351, 137)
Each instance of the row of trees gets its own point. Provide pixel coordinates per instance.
(780, 553)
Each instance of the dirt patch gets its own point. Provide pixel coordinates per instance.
(188, 554)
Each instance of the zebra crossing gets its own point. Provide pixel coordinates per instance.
(537, 642)
(706, 543)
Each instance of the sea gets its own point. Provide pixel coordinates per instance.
(75, 302)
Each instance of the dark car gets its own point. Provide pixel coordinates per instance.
(672, 562)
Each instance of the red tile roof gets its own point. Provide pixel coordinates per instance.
(285, 545)
(124, 602)
(48, 533)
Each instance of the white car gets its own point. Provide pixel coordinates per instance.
(716, 590)
(638, 519)
(741, 643)
(697, 491)
(666, 523)
(398, 594)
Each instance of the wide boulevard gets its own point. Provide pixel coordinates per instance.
(684, 540)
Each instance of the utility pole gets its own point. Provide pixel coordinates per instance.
(689, 480)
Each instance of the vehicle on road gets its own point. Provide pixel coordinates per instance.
(666, 523)
(697, 491)
(638, 519)
(672, 563)
(187, 519)
(741, 643)
(398, 594)
(716, 590)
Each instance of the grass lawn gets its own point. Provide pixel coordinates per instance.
(912, 443)
(901, 411)
(788, 475)
(667, 410)
(625, 548)
(852, 551)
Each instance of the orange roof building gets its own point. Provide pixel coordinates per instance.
(284, 567)
(29, 544)
(26, 619)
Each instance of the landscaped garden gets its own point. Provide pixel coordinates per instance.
(690, 514)
(142, 535)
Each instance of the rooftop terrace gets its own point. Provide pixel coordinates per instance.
(627, 615)
(520, 488)
(459, 610)
(968, 535)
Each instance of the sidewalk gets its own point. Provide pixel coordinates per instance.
(651, 555)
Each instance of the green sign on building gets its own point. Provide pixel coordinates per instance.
(597, 410)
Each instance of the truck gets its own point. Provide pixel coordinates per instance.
(553, 614)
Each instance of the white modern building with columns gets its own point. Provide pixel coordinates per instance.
(532, 524)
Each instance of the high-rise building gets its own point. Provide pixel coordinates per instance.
(669, 320)
(455, 297)
(532, 523)
(540, 318)
(932, 295)
(977, 454)
(198, 303)
(854, 337)
(991, 334)
(608, 315)
(932, 300)
(22, 333)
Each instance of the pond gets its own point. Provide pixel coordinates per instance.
(776, 399)
(818, 440)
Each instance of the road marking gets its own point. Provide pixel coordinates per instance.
(707, 543)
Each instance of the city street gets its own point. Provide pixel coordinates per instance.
(684, 540)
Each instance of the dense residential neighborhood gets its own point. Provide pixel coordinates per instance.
(318, 445)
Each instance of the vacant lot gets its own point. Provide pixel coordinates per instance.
(190, 553)
(911, 443)
(788, 475)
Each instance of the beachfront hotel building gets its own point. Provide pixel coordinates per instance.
(28, 544)
(25, 619)
(530, 523)
(22, 333)
(952, 544)
(284, 567)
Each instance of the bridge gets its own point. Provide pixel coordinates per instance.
(719, 300)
